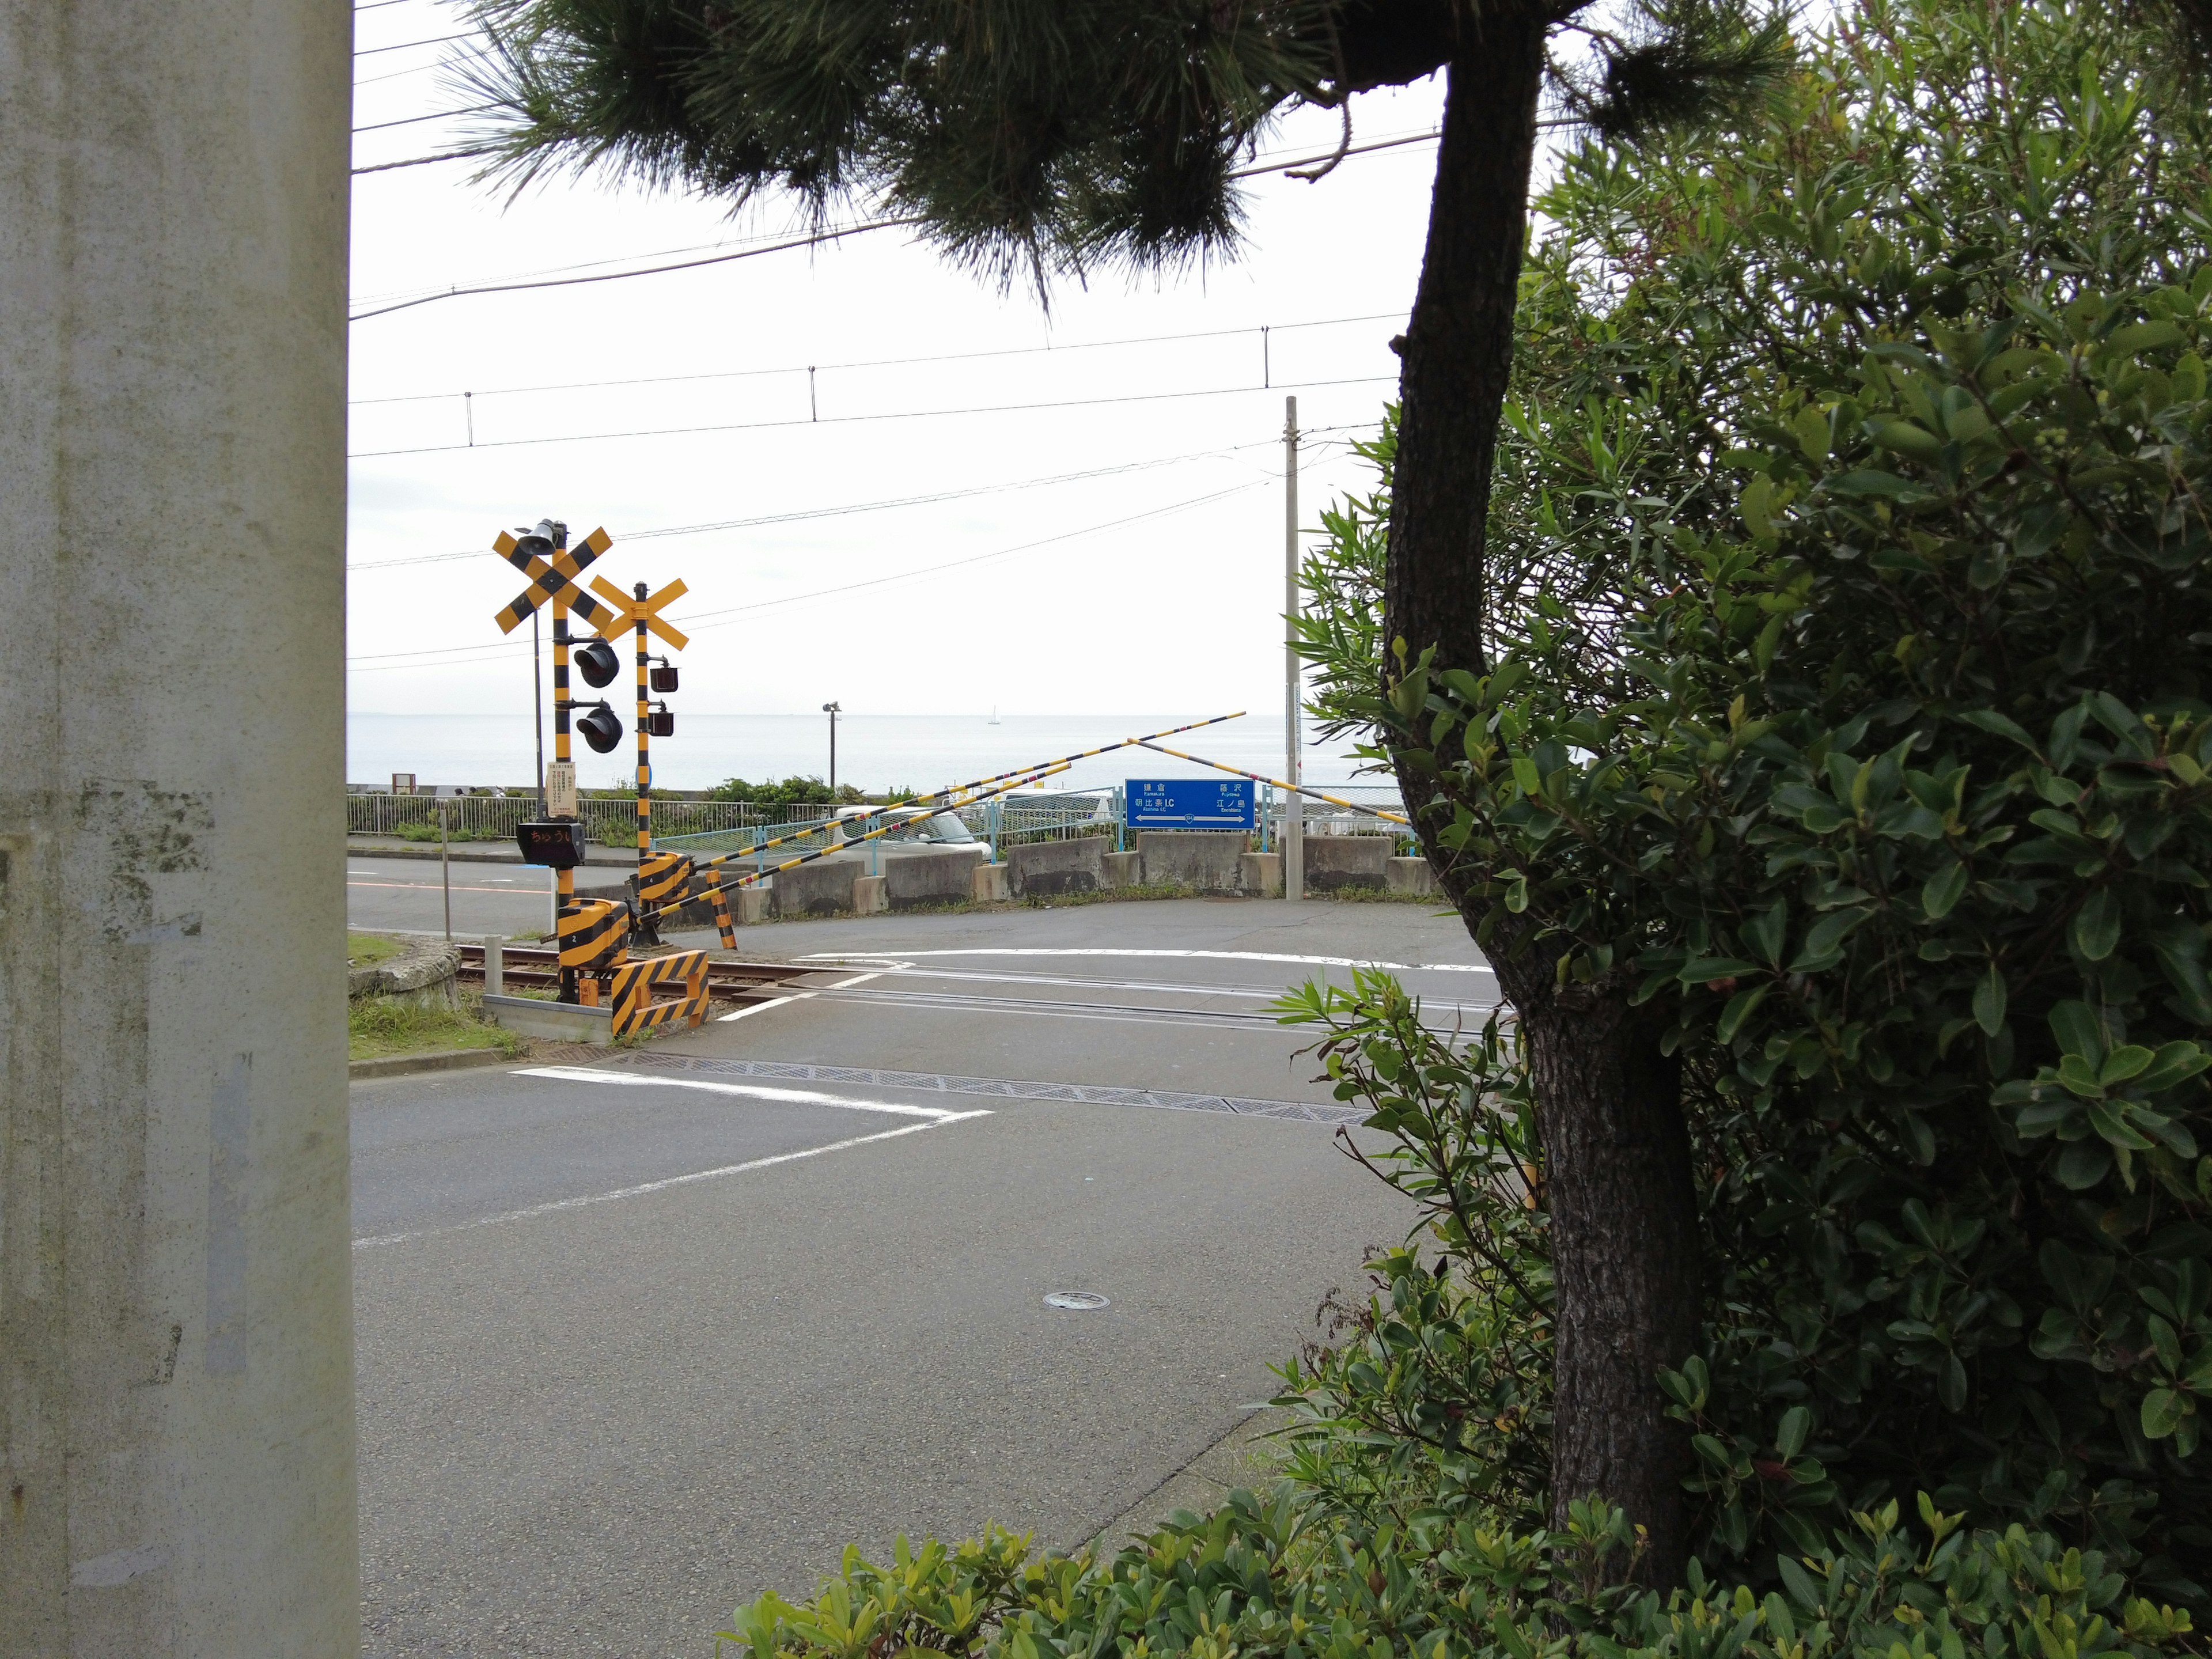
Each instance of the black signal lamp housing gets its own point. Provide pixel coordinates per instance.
(663, 677)
(596, 661)
(556, 843)
(600, 728)
(661, 722)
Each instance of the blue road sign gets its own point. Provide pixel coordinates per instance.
(1192, 803)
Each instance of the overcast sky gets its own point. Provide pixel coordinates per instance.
(1156, 584)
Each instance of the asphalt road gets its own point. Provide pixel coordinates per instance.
(405, 894)
(642, 1338)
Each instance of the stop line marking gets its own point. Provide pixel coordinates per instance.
(931, 1118)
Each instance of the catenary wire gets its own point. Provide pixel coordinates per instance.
(435, 115)
(853, 420)
(887, 362)
(463, 654)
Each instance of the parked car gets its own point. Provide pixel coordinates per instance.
(911, 824)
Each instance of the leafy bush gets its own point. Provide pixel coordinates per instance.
(1853, 716)
(1255, 1578)
(792, 790)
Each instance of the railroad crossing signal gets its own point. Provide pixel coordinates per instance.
(552, 581)
(632, 612)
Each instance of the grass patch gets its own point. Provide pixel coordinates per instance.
(377, 1026)
(367, 950)
(1436, 901)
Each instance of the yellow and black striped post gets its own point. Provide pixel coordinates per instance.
(639, 612)
(553, 581)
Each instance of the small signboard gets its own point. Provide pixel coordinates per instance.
(561, 789)
(402, 783)
(1192, 803)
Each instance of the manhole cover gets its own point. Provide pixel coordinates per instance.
(1076, 1300)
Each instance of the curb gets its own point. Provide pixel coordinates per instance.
(450, 1060)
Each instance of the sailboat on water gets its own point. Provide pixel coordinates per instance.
(994, 713)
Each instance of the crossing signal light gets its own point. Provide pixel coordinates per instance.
(597, 662)
(600, 728)
(661, 722)
(664, 676)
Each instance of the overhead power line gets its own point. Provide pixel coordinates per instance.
(848, 509)
(407, 45)
(816, 237)
(730, 616)
(900, 414)
(435, 115)
(885, 362)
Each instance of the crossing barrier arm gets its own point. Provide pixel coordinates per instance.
(1257, 777)
(752, 876)
(959, 794)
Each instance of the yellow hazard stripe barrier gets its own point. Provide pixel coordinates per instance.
(751, 877)
(1260, 777)
(956, 795)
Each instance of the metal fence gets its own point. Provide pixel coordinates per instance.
(611, 820)
(704, 828)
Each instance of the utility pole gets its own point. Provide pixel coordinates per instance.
(1294, 823)
(833, 710)
(176, 1304)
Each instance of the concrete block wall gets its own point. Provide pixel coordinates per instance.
(820, 889)
(944, 876)
(1046, 867)
(1207, 859)
(1334, 863)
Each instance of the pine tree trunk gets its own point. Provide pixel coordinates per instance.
(1623, 1204)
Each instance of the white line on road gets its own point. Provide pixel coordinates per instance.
(1211, 955)
(796, 996)
(644, 1187)
(750, 1090)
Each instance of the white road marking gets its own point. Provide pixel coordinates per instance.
(796, 996)
(906, 956)
(644, 1187)
(750, 1090)
(757, 1008)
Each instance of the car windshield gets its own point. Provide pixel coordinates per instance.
(914, 823)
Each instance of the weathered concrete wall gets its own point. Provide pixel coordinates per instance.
(177, 1430)
(1412, 876)
(1336, 862)
(820, 889)
(1043, 868)
(1123, 869)
(941, 876)
(1260, 874)
(1204, 859)
(987, 884)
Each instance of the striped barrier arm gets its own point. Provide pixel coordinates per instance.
(1259, 777)
(717, 893)
(953, 796)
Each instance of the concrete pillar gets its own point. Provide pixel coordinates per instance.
(176, 1361)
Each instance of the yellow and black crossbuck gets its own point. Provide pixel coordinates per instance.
(551, 581)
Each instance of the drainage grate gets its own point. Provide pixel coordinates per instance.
(1077, 1301)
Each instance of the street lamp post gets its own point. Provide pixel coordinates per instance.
(833, 710)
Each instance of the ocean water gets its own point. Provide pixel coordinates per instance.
(874, 751)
